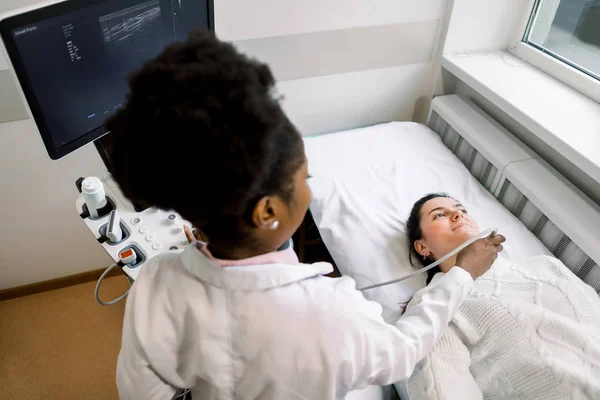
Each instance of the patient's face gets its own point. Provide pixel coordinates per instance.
(446, 224)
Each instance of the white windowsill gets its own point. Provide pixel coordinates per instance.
(560, 116)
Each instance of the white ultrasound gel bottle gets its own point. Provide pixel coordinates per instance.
(93, 195)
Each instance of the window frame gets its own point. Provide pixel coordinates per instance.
(551, 63)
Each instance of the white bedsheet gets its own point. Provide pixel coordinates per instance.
(364, 184)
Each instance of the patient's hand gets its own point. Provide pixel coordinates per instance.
(477, 258)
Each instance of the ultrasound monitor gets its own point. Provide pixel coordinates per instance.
(73, 58)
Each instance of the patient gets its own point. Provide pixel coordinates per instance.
(527, 330)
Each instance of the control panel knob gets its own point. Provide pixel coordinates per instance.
(172, 219)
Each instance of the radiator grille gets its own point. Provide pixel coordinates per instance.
(550, 235)
(483, 170)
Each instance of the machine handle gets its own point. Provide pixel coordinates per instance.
(114, 233)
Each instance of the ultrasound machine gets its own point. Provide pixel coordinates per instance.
(72, 60)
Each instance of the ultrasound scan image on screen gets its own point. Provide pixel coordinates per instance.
(73, 59)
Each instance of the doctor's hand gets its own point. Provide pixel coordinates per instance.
(477, 258)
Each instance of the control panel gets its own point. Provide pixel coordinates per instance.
(130, 235)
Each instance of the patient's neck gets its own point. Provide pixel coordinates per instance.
(449, 263)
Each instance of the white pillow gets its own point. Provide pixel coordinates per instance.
(364, 184)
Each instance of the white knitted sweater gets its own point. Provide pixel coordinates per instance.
(528, 330)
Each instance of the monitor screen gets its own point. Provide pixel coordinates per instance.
(73, 58)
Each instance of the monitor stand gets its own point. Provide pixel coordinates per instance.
(102, 146)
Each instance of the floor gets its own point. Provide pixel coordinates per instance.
(61, 344)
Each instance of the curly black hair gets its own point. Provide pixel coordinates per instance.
(203, 134)
(414, 233)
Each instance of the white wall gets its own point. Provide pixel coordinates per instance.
(357, 98)
(287, 17)
(480, 26)
(3, 61)
(346, 98)
(485, 25)
(42, 236)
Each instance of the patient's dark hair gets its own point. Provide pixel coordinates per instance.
(414, 231)
(203, 134)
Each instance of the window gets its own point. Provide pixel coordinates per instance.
(568, 30)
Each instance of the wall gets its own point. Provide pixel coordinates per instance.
(483, 25)
(42, 236)
(480, 26)
(340, 64)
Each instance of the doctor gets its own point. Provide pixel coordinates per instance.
(202, 134)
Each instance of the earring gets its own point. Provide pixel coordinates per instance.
(275, 225)
(424, 257)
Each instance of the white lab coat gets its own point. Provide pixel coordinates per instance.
(268, 331)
